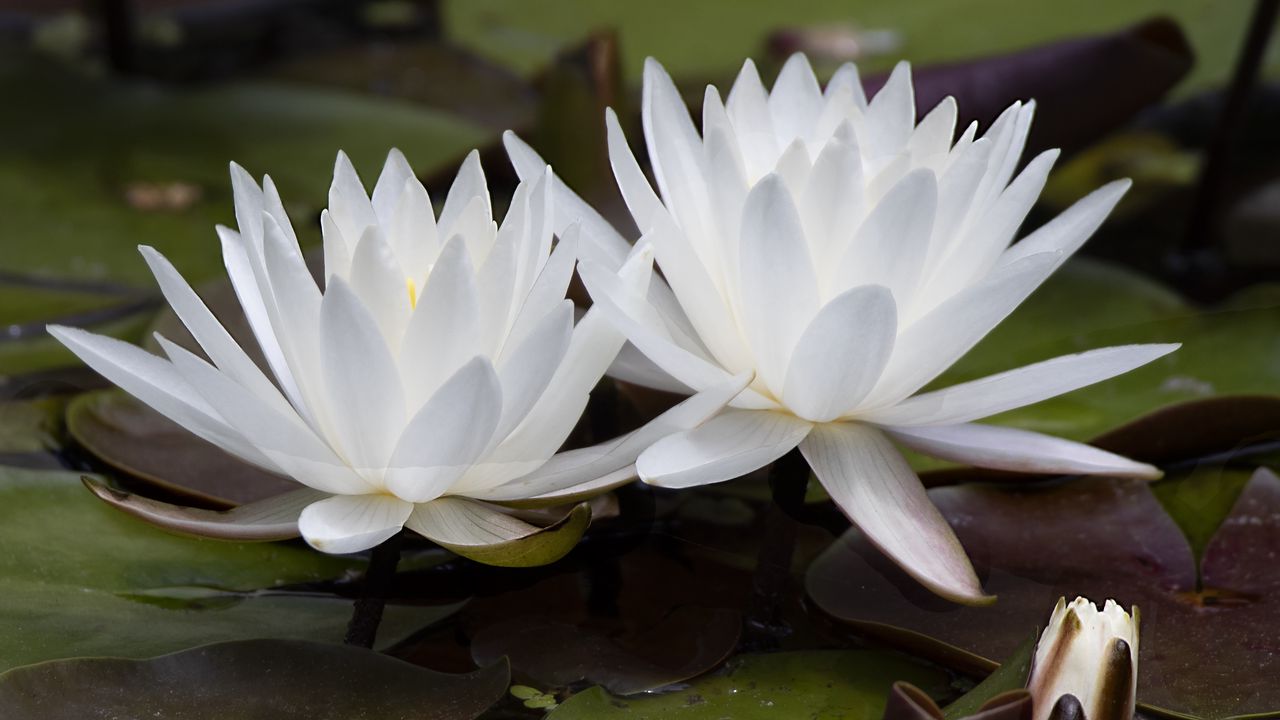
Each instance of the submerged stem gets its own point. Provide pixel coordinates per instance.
(366, 614)
(763, 622)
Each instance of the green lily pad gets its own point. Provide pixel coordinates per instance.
(826, 684)
(70, 565)
(30, 426)
(280, 679)
(134, 439)
(1207, 639)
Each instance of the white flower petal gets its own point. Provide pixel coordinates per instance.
(873, 485)
(390, 186)
(447, 435)
(1016, 388)
(891, 116)
(469, 185)
(641, 200)
(609, 246)
(444, 330)
(362, 380)
(348, 203)
(796, 99)
(841, 354)
(832, 204)
(569, 472)
(891, 245)
(376, 278)
(748, 108)
(351, 523)
(633, 366)
(1002, 448)
(460, 522)
(727, 446)
(525, 370)
(1070, 229)
(780, 277)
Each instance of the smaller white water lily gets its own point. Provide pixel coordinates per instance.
(1086, 664)
(846, 256)
(433, 378)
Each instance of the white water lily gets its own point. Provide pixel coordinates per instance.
(847, 256)
(1086, 664)
(436, 374)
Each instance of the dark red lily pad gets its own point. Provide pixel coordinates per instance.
(1208, 648)
(138, 441)
(279, 679)
(686, 643)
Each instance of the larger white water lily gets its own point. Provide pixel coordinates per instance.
(436, 374)
(847, 256)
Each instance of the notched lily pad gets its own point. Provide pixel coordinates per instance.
(136, 440)
(1207, 641)
(280, 679)
(834, 684)
(688, 642)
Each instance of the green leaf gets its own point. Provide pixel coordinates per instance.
(280, 679)
(69, 565)
(827, 684)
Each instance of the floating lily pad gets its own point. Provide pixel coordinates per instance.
(1207, 641)
(827, 684)
(280, 679)
(30, 426)
(136, 440)
(70, 565)
(688, 642)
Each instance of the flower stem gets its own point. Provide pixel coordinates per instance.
(763, 623)
(366, 614)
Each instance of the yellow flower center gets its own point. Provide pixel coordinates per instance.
(413, 292)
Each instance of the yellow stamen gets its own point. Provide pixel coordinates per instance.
(413, 292)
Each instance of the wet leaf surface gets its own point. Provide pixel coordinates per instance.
(828, 684)
(280, 679)
(136, 440)
(69, 563)
(1207, 643)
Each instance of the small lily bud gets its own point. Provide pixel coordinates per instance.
(1086, 665)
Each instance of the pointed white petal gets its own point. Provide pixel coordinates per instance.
(444, 330)
(931, 344)
(931, 140)
(362, 381)
(891, 245)
(727, 446)
(633, 366)
(1016, 388)
(841, 354)
(845, 79)
(1070, 229)
(549, 287)
(337, 251)
(447, 435)
(467, 186)
(376, 278)
(526, 369)
(568, 208)
(412, 231)
(386, 193)
(1002, 448)
(796, 99)
(456, 521)
(351, 523)
(348, 203)
(779, 285)
(641, 200)
(873, 485)
(832, 202)
(891, 116)
(748, 108)
(249, 205)
(570, 472)
(281, 436)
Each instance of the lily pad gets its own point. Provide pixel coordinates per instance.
(1206, 641)
(280, 679)
(134, 439)
(75, 574)
(827, 684)
(688, 642)
(30, 426)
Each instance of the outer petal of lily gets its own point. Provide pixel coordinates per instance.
(873, 485)
(527, 369)
(1003, 448)
(1016, 388)
(565, 474)
(727, 446)
(492, 535)
(351, 523)
(158, 383)
(842, 353)
(641, 200)
(611, 247)
(1072, 227)
(635, 367)
(468, 186)
(447, 435)
(930, 345)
